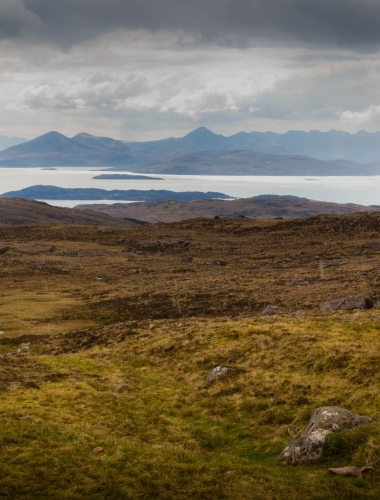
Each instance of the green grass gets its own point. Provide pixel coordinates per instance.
(167, 434)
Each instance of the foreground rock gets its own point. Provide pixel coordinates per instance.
(348, 303)
(217, 372)
(273, 310)
(350, 471)
(308, 447)
(346, 471)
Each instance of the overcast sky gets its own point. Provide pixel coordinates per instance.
(148, 69)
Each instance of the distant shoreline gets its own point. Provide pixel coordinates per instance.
(127, 177)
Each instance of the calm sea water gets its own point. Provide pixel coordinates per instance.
(361, 190)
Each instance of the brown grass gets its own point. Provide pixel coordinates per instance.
(116, 363)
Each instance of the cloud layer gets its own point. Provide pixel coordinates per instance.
(349, 24)
(144, 69)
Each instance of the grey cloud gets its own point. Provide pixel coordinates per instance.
(347, 23)
(16, 20)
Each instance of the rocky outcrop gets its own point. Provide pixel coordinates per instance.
(273, 310)
(347, 303)
(308, 447)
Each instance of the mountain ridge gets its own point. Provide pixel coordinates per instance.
(203, 152)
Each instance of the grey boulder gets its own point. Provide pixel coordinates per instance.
(308, 447)
(347, 303)
(273, 310)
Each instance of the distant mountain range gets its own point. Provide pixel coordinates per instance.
(362, 147)
(7, 142)
(203, 152)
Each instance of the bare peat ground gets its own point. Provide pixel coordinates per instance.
(122, 333)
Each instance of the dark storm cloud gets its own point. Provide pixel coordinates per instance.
(346, 23)
(16, 20)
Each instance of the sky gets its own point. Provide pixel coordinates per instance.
(149, 69)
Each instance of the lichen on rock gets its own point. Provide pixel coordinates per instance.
(327, 419)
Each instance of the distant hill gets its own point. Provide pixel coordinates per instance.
(14, 211)
(58, 193)
(248, 162)
(54, 149)
(7, 142)
(362, 147)
(265, 206)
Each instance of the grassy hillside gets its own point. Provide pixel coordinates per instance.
(122, 335)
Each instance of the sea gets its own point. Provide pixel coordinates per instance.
(363, 190)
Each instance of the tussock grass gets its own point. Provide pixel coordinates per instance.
(168, 434)
(115, 362)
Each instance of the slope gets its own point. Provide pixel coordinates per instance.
(21, 211)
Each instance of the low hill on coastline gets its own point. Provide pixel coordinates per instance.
(259, 206)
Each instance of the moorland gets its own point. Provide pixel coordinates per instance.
(109, 334)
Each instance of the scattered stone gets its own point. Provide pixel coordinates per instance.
(217, 372)
(98, 449)
(327, 419)
(273, 310)
(299, 281)
(334, 263)
(220, 262)
(120, 387)
(4, 250)
(24, 348)
(331, 305)
(356, 302)
(187, 258)
(371, 244)
(347, 303)
(346, 471)
(32, 385)
(366, 469)
(217, 217)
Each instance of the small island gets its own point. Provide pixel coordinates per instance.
(128, 177)
(57, 193)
